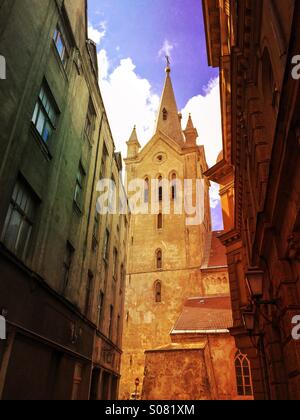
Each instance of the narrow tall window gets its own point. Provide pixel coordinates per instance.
(103, 162)
(67, 265)
(61, 45)
(45, 114)
(160, 189)
(160, 221)
(80, 179)
(115, 265)
(106, 245)
(174, 189)
(158, 292)
(146, 191)
(20, 219)
(96, 231)
(89, 293)
(90, 121)
(101, 308)
(111, 316)
(243, 375)
(122, 284)
(159, 259)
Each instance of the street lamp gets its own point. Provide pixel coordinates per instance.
(255, 281)
(249, 320)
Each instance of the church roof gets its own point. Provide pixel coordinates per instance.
(205, 315)
(168, 119)
(214, 253)
(134, 138)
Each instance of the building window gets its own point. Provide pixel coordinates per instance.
(89, 294)
(20, 219)
(146, 191)
(243, 375)
(78, 196)
(90, 121)
(159, 259)
(122, 284)
(45, 114)
(96, 231)
(61, 45)
(160, 221)
(160, 189)
(103, 162)
(157, 288)
(115, 265)
(67, 265)
(101, 307)
(106, 245)
(174, 189)
(111, 316)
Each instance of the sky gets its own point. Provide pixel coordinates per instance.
(133, 37)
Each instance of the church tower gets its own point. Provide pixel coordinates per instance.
(165, 252)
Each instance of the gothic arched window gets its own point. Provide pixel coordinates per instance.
(243, 375)
(173, 186)
(157, 291)
(160, 188)
(146, 191)
(159, 259)
(160, 221)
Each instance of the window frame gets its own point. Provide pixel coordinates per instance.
(243, 388)
(32, 202)
(80, 186)
(64, 55)
(49, 116)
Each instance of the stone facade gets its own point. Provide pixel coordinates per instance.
(59, 292)
(165, 259)
(254, 44)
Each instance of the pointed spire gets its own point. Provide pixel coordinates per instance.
(133, 145)
(191, 134)
(168, 120)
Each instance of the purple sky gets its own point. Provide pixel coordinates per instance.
(139, 28)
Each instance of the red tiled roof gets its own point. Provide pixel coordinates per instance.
(205, 314)
(215, 252)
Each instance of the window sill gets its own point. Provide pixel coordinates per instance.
(40, 142)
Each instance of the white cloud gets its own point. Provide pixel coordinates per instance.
(95, 34)
(206, 115)
(103, 64)
(129, 101)
(214, 195)
(166, 49)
